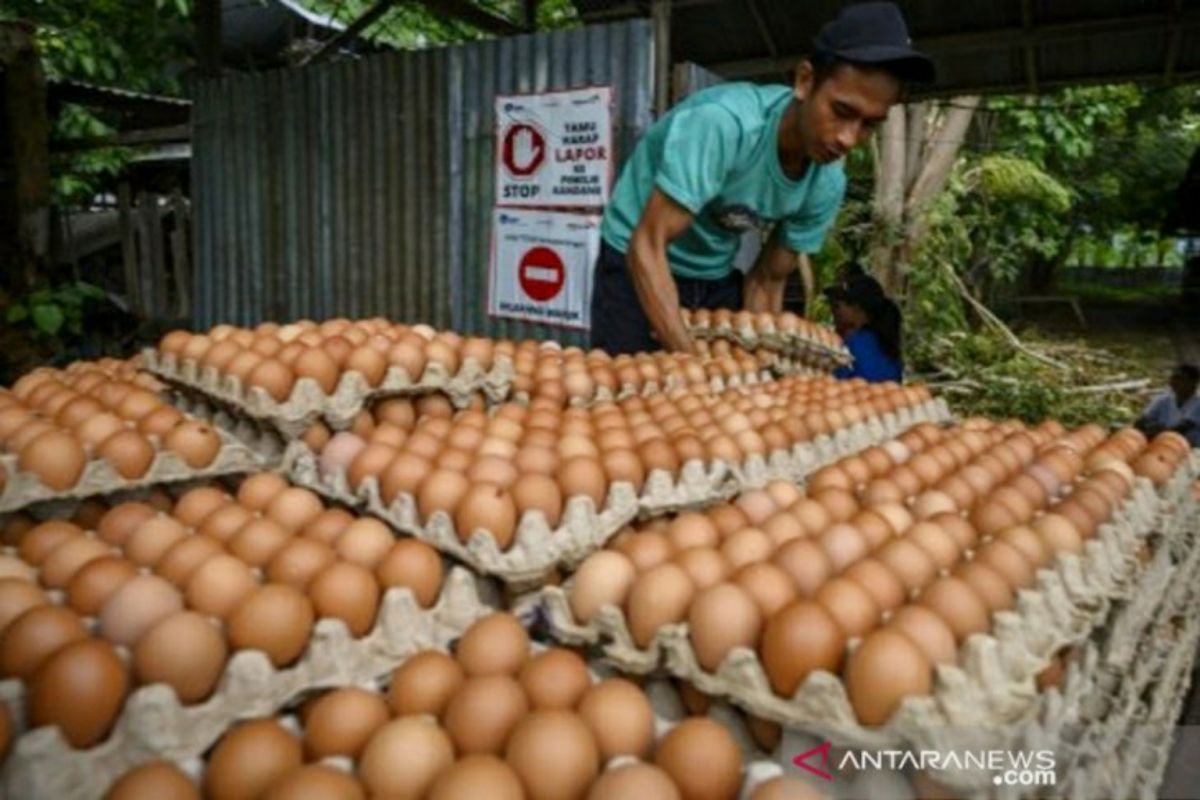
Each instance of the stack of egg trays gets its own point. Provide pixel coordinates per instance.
(154, 724)
(668, 708)
(308, 403)
(1133, 697)
(991, 688)
(716, 384)
(99, 478)
(799, 348)
(537, 551)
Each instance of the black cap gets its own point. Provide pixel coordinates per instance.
(859, 290)
(874, 33)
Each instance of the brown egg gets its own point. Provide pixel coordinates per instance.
(785, 787)
(643, 781)
(348, 592)
(136, 607)
(959, 605)
(535, 492)
(81, 688)
(196, 442)
(555, 679)
(1058, 534)
(1029, 543)
(196, 504)
(342, 722)
(878, 581)
(276, 619)
(257, 491)
(658, 597)
(415, 565)
(806, 563)
(98, 580)
(850, 605)
(68, 558)
(186, 651)
(55, 458)
(128, 453)
(34, 636)
(441, 490)
(840, 504)
(1008, 562)
(936, 542)
(489, 508)
(404, 758)
(897, 516)
(482, 714)
(38, 542)
(496, 644)
(328, 525)
(477, 776)
(16, 597)
(294, 507)
(843, 544)
(554, 754)
(908, 562)
(620, 718)
(727, 519)
(747, 546)
(154, 779)
(152, 539)
(721, 618)
(250, 758)
(604, 578)
(424, 684)
(767, 585)
(928, 631)
(316, 782)
(955, 525)
(881, 672)
(716, 776)
(218, 585)
(800, 639)
(583, 477)
(988, 584)
(224, 523)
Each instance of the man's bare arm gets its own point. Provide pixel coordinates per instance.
(766, 281)
(662, 220)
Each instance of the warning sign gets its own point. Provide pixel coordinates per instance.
(541, 268)
(554, 149)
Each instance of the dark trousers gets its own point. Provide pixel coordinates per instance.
(619, 325)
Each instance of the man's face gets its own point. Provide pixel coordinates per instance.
(843, 111)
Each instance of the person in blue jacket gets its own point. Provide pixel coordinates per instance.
(870, 325)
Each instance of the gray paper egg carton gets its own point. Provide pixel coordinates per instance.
(154, 724)
(308, 403)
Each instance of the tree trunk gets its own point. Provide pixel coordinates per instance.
(916, 150)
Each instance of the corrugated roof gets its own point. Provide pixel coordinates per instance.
(980, 45)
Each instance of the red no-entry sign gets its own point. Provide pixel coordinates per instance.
(541, 273)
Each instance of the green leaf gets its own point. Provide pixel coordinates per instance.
(17, 312)
(48, 318)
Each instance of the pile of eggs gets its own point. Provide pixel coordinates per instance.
(800, 334)
(164, 596)
(486, 472)
(909, 547)
(495, 720)
(56, 421)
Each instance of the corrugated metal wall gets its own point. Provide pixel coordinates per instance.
(366, 187)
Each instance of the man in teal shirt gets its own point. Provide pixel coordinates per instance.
(735, 157)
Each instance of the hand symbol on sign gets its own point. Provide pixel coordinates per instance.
(526, 149)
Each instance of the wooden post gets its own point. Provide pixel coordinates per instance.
(129, 247)
(660, 13)
(207, 19)
(180, 242)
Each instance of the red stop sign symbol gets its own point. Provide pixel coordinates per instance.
(524, 150)
(541, 273)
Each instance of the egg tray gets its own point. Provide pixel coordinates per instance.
(795, 345)
(992, 687)
(24, 489)
(537, 550)
(308, 403)
(263, 438)
(716, 384)
(154, 724)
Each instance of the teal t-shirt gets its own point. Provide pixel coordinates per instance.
(716, 154)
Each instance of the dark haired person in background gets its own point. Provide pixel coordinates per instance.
(870, 325)
(735, 157)
(1177, 409)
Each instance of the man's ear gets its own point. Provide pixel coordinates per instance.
(805, 76)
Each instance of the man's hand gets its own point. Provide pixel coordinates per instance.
(766, 281)
(662, 220)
